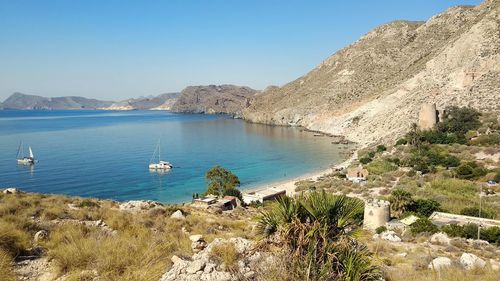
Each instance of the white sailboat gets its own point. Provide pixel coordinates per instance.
(25, 160)
(161, 165)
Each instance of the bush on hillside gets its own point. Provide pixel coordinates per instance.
(381, 148)
(423, 225)
(459, 120)
(486, 140)
(380, 167)
(365, 160)
(380, 229)
(470, 171)
(425, 207)
(474, 212)
(401, 142)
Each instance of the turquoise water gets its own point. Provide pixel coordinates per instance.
(105, 154)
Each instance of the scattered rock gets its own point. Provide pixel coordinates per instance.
(178, 215)
(388, 235)
(195, 266)
(198, 243)
(440, 238)
(440, 262)
(139, 205)
(11, 190)
(403, 255)
(470, 261)
(41, 235)
(477, 242)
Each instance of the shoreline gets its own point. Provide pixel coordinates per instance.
(289, 184)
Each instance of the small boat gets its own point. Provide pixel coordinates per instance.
(25, 160)
(161, 165)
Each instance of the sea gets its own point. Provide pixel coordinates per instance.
(105, 154)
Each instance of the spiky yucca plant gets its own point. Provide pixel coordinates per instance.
(318, 230)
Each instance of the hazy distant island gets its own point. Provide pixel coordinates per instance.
(210, 99)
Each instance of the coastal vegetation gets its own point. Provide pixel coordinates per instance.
(319, 231)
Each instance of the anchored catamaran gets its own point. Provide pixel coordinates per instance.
(25, 160)
(161, 165)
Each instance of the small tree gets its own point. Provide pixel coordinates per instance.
(401, 201)
(219, 180)
(459, 120)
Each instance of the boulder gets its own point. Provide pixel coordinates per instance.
(440, 262)
(195, 266)
(11, 190)
(139, 205)
(470, 261)
(41, 235)
(178, 215)
(440, 238)
(388, 235)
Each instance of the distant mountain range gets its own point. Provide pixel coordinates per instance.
(211, 99)
(23, 101)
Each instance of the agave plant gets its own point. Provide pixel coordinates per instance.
(318, 230)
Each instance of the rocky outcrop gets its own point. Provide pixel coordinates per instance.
(388, 235)
(372, 90)
(202, 266)
(161, 102)
(139, 205)
(23, 101)
(212, 99)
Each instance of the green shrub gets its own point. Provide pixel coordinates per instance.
(380, 229)
(365, 160)
(486, 140)
(381, 148)
(425, 207)
(470, 170)
(401, 201)
(380, 167)
(459, 120)
(423, 225)
(88, 204)
(233, 192)
(401, 142)
(469, 231)
(474, 212)
(371, 154)
(453, 230)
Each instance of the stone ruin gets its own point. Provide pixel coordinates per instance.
(377, 213)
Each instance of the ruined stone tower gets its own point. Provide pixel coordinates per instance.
(377, 213)
(428, 117)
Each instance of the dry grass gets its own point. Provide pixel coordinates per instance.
(225, 253)
(6, 273)
(451, 274)
(140, 249)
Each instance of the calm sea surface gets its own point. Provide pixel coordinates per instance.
(106, 154)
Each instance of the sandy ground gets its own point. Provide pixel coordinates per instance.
(289, 185)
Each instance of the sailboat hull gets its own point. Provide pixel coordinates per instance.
(160, 166)
(25, 161)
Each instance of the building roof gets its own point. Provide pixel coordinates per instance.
(441, 218)
(357, 172)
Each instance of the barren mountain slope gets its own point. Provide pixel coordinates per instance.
(213, 99)
(373, 89)
(144, 102)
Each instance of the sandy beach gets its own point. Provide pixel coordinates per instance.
(289, 185)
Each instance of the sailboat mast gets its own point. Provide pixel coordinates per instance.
(19, 149)
(31, 153)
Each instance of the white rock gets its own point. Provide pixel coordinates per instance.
(195, 266)
(440, 238)
(439, 262)
(388, 235)
(11, 190)
(494, 265)
(178, 215)
(470, 261)
(196, 238)
(41, 235)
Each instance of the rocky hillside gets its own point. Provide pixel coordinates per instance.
(213, 99)
(23, 101)
(163, 102)
(372, 89)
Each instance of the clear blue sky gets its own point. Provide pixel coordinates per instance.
(120, 49)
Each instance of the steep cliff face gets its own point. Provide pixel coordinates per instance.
(213, 99)
(23, 101)
(371, 90)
